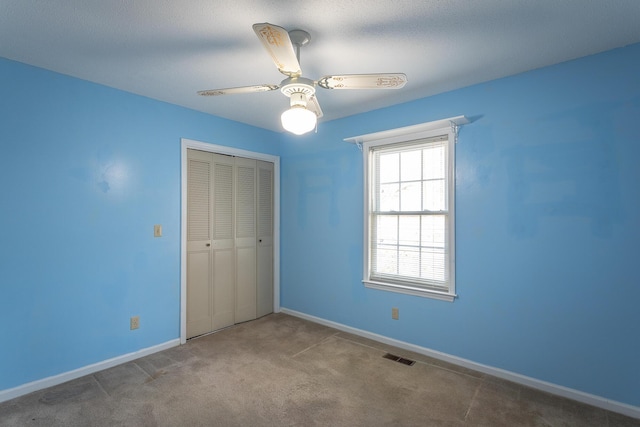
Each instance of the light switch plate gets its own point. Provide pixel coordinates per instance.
(157, 230)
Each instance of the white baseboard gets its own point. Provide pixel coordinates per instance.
(80, 372)
(569, 393)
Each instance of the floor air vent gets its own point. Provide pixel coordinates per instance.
(399, 359)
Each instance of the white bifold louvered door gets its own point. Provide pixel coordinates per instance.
(199, 268)
(223, 245)
(265, 238)
(246, 289)
(227, 282)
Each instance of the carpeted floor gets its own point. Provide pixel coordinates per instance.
(284, 371)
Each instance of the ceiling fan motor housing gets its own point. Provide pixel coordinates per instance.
(298, 89)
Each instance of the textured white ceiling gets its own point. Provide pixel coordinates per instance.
(169, 49)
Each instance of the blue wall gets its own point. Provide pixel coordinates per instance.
(85, 173)
(548, 225)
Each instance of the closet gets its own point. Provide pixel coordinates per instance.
(229, 240)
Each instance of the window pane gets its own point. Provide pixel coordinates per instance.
(387, 229)
(432, 264)
(411, 165)
(386, 260)
(433, 231)
(434, 196)
(389, 200)
(409, 261)
(409, 233)
(433, 162)
(389, 165)
(410, 196)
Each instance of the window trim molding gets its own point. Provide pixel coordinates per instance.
(405, 134)
(408, 133)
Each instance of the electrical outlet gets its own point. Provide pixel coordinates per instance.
(157, 230)
(395, 313)
(134, 322)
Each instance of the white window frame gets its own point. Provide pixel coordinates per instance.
(417, 133)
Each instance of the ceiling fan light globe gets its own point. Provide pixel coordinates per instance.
(298, 120)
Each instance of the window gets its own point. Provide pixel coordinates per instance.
(409, 209)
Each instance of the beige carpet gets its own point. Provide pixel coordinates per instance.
(284, 371)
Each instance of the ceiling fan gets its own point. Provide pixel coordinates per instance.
(305, 109)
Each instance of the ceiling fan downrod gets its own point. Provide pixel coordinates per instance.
(299, 38)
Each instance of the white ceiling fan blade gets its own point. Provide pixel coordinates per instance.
(364, 81)
(234, 90)
(314, 106)
(277, 42)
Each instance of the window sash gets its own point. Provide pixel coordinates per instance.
(418, 258)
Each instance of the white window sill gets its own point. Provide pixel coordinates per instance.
(410, 290)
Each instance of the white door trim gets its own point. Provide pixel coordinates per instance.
(221, 149)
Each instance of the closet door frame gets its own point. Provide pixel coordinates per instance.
(221, 149)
